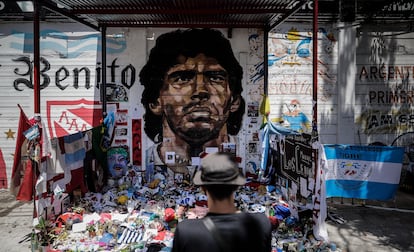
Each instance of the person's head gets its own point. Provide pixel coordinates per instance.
(219, 175)
(193, 81)
(117, 162)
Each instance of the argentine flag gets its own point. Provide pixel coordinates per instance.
(363, 172)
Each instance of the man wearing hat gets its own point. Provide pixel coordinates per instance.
(224, 228)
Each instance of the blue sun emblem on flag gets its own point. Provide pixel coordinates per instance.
(352, 173)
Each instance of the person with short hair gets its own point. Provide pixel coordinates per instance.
(224, 228)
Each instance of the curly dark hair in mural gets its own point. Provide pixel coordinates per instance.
(170, 50)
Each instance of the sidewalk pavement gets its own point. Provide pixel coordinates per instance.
(372, 226)
(367, 226)
(15, 223)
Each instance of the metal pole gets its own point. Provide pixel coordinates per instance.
(36, 86)
(36, 56)
(315, 69)
(103, 84)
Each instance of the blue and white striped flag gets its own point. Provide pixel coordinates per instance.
(363, 172)
(75, 150)
(32, 133)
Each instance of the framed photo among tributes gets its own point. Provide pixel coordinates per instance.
(121, 131)
(229, 147)
(121, 117)
(253, 109)
(253, 147)
(170, 157)
(139, 178)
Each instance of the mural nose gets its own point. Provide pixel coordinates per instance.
(201, 94)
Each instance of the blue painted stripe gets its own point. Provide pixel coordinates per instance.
(389, 154)
(113, 45)
(360, 189)
(74, 157)
(73, 137)
(79, 151)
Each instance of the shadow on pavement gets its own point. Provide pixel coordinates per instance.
(358, 226)
(8, 203)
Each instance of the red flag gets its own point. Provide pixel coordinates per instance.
(21, 185)
(3, 174)
(27, 186)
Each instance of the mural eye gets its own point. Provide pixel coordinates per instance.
(181, 77)
(216, 77)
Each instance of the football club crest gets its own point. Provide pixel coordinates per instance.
(69, 117)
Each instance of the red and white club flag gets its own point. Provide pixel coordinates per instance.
(3, 174)
(22, 178)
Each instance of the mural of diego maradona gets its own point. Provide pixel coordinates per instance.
(192, 95)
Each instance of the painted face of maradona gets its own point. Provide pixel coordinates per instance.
(117, 164)
(196, 99)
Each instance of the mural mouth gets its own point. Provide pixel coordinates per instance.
(200, 114)
(197, 114)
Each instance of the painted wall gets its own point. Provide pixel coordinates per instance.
(68, 89)
(384, 80)
(365, 78)
(70, 81)
(290, 78)
(364, 82)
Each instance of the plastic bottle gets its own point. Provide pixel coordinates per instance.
(69, 223)
(34, 242)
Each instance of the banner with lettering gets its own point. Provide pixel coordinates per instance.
(363, 172)
(297, 170)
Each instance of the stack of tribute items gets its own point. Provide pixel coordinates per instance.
(133, 214)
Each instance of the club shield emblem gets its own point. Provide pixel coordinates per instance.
(69, 117)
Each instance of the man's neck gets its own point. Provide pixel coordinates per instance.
(225, 206)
